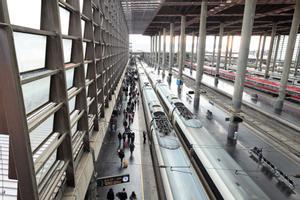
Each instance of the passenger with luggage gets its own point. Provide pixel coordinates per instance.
(133, 196)
(122, 195)
(121, 155)
(131, 147)
(119, 138)
(110, 195)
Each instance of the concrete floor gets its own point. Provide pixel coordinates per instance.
(247, 139)
(140, 168)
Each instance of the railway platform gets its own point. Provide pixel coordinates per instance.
(247, 139)
(140, 168)
(264, 102)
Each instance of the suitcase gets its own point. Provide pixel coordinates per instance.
(125, 163)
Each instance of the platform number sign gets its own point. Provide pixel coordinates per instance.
(113, 180)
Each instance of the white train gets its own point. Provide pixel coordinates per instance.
(175, 175)
(227, 180)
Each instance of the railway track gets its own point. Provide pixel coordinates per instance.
(283, 135)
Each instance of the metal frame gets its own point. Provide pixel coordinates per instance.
(104, 59)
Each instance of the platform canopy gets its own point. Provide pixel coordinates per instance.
(148, 17)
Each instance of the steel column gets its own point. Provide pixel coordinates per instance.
(288, 58)
(258, 51)
(200, 52)
(262, 52)
(171, 51)
(214, 51)
(226, 52)
(182, 49)
(274, 27)
(164, 51)
(230, 51)
(276, 52)
(159, 51)
(192, 53)
(219, 53)
(248, 19)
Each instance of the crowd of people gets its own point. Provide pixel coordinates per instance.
(131, 96)
(127, 138)
(121, 195)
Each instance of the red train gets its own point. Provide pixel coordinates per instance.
(255, 82)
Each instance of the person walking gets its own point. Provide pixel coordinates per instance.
(131, 147)
(124, 138)
(119, 138)
(132, 137)
(144, 136)
(133, 196)
(122, 195)
(110, 194)
(121, 155)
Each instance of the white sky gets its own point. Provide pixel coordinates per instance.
(142, 43)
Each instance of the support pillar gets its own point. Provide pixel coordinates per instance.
(151, 50)
(276, 52)
(164, 52)
(200, 52)
(257, 52)
(262, 53)
(213, 54)
(274, 27)
(171, 51)
(192, 53)
(219, 53)
(159, 51)
(155, 51)
(226, 52)
(230, 51)
(178, 47)
(288, 58)
(248, 19)
(182, 50)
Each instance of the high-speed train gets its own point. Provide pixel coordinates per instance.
(227, 180)
(176, 177)
(256, 82)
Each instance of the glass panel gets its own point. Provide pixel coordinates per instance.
(67, 45)
(85, 70)
(47, 166)
(74, 129)
(40, 133)
(72, 104)
(25, 13)
(36, 93)
(64, 20)
(82, 27)
(80, 5)
(69, 78)
(30, 50)
(84, 49)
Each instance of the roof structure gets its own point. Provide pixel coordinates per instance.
(230, 12)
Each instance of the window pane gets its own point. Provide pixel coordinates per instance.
(69, 78)
(82, 27)
(40, 133)
(30, 50)
(36, 93)
(25, 13)
(85, 70)
(72, 104)
(67, 45)
(84, 49)
(64, 20)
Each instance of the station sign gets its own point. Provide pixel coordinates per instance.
(113, 180)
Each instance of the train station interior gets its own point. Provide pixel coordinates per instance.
(150, 99)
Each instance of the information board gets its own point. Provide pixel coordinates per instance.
(113, 180)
